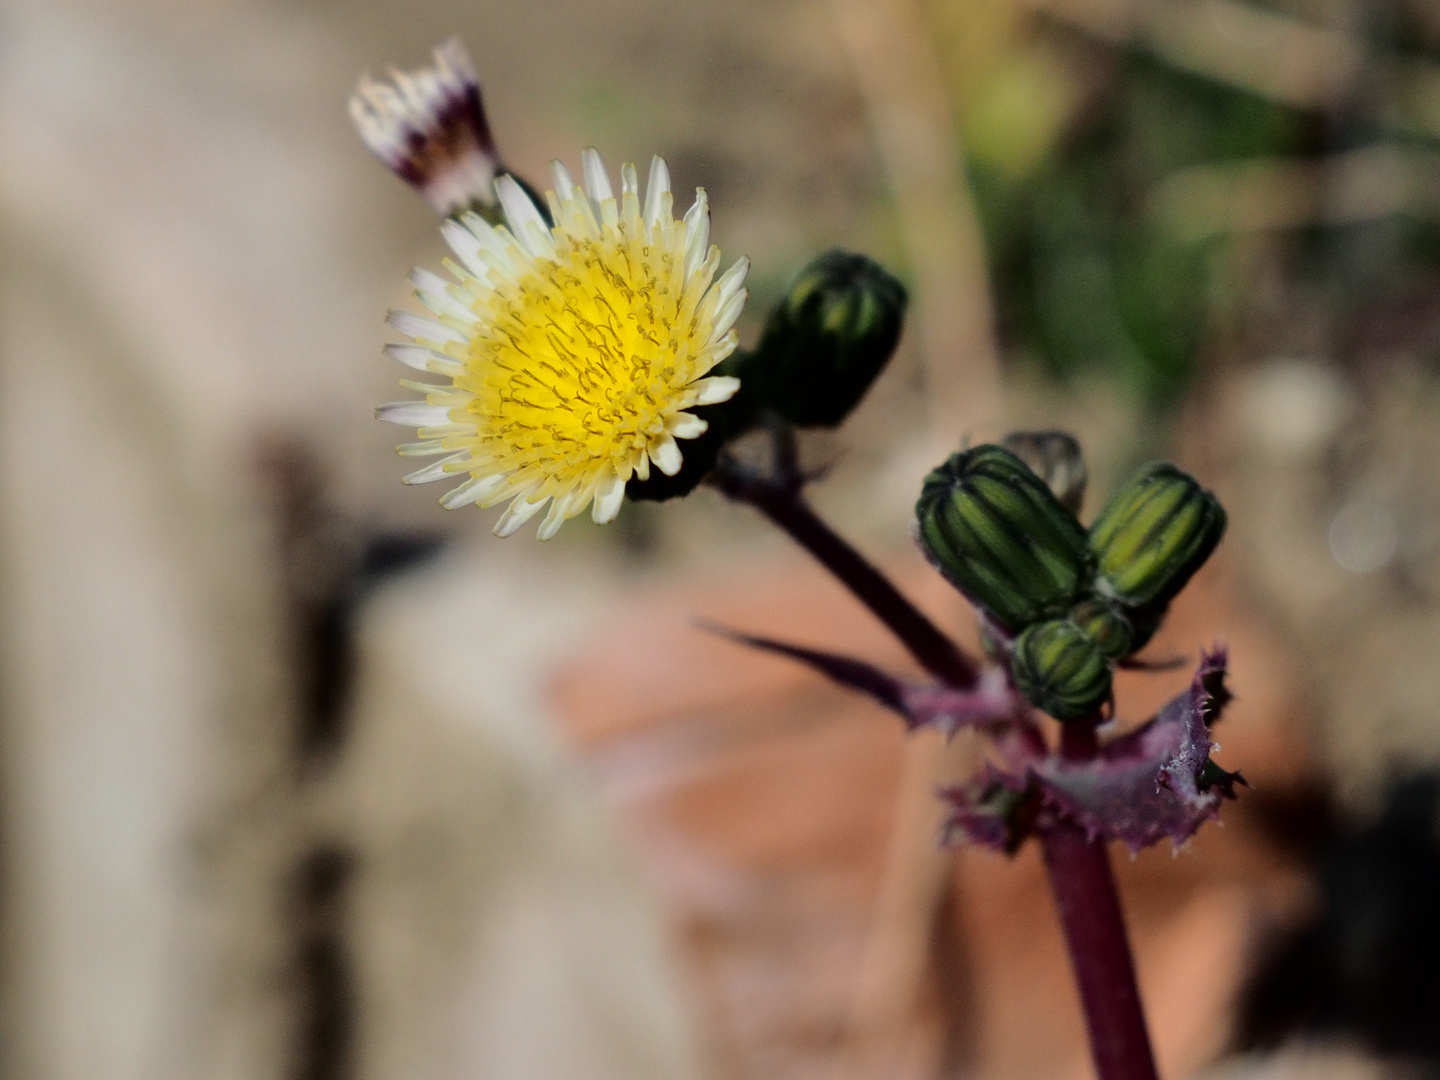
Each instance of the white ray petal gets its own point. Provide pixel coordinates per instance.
(723, 347)
(438, 393)
(497, 247)
(466, 246)
(471, 287)
(427, 448)
(733, 279)
(517, 513)
(412, 356)
(436, 470)
(539, 242)
(503, 491)
(564, 183)
(454, 62)
(666, 456)
(557, 208)
(608, 497)
(697, 233)
(560, 510)
(727, 314)
(423, 329)
(472, 490)
(716, 389)
(519, 208)
(524, 217)
(427, 280)
(422, 359)
(434, 293)
(657, 184)
(416, 414)
(630, 195)
(687, 426)
(597, 181)
(448, 431)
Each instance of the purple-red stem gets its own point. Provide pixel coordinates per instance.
(1079, 868)
(1089, 908)
(787, 508)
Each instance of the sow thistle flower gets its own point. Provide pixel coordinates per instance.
(573, 350)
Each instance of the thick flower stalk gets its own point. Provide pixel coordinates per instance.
(1057, 607)
(572, 350)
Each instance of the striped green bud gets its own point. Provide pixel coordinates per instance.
(1061, 670)
(827, 340)
(997, 532)
(1156, 531)
(1110, 630)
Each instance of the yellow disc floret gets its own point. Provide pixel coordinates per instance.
(573, 350)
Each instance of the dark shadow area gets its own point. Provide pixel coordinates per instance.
(1366, 966)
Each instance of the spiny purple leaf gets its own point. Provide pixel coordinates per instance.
(990, 812)
(920, 704)
(1132, 663)
(1155, 782)
(989, 705)
(885, 688)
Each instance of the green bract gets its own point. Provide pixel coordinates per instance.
(1112, 633)
(1156, 531)
(1060, 669)
(997, 532)
(827, 340)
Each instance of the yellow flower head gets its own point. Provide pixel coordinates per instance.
(573, 350)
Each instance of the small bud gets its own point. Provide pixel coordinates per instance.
(429, 127)
(827, 340)
(999, 535)
(1061, 670)
(1055, 457)
(1109, 629)
(1156, 531)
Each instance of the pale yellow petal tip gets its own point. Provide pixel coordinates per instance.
(717, 389)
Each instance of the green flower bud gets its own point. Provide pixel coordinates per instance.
(1156, 531)
(1000, 536)
(1061, 670)
(1109, 629)
(827, 340)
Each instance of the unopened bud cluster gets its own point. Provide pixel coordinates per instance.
(1072, 604)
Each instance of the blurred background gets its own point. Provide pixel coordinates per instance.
(302, 778)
